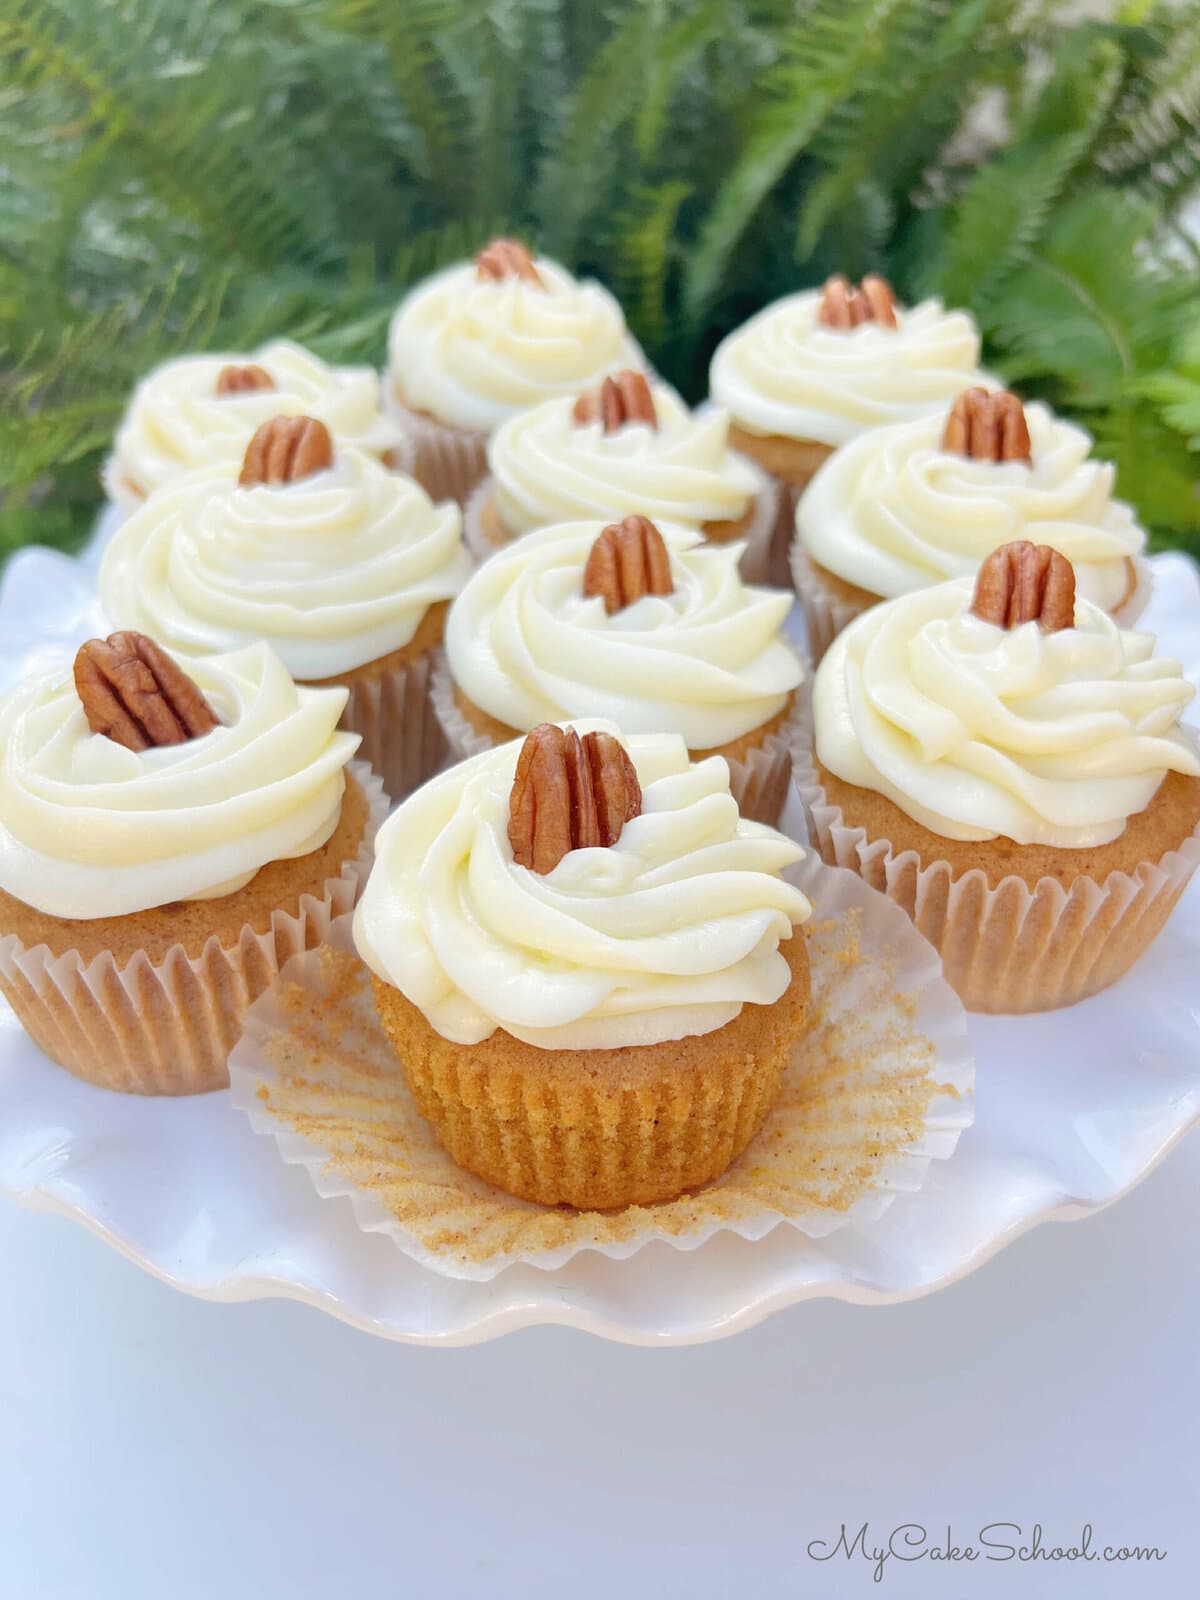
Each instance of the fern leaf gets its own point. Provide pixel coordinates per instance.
(1006, 205)
(819, 69)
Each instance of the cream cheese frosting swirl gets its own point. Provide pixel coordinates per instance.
(665, 935)
(783, 373)
(979, 732)
(176, 420)
(548, 468)
(706, 662)
(335, 570)
(471, 352)
(91, 829)
(892, 511)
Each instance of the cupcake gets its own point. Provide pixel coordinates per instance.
(1005, 762)
(622, 448)
(200, 411)
(648, 625)
(903, 507)
(343, 567)
(169, 837)
(475, 344)
(589, 964)
(816, 369)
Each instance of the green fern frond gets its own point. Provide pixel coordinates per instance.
(895, 130)
(1008, 203)
(582, 166)
(415, 35)
(1089, 310)
(177, 175)
(819, 67)
(644, 238)
(173, 149)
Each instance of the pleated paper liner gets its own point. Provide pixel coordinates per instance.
(447, 462)
(757, 537)
(166, 1027)
(401, 734)
(878, 1087)
(1005, 948)
(827, 611)
(760, 781)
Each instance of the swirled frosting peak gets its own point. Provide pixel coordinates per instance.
(179, 420)
(546, 467)
(664, 935)
(472, 351)
(335, 570)
(706, 661)
(89, 828)
(782, 372)
(893, 511)
(978, 731)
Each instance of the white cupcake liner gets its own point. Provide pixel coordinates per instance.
(757, 537)
(878, 1088)
(447, 462)
(759, 782)
(166, 1027)
(755, 565)
(827, 613)
(1006, 948)
(401, 735)
(474, 534)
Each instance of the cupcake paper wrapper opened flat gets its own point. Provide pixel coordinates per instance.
(879, 1086)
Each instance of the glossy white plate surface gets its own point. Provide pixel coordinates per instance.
(1072, 1109)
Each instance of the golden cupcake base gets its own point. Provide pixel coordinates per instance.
(600, 1129)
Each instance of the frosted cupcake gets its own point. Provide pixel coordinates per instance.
(621, 449)
(816, 369)
(201, 411)
(168, 839)
(343, 567)
(475, 344)
(648, 625)
(1006, 763)
(589, 964)
(903, 507)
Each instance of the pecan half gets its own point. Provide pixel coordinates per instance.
(286, 449)
(628, 560)
(506, 258)
(133, 692)
(620, 399)
(845, 306)
(569, 794)
(241, 380)
(1023, 582)
(988, 427)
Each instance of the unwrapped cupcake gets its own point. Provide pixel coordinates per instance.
(648, 625)
(201, 411)
(903, 507)
(589, 964)
(625, 447)
(343, 567)
(1007, 764)
(475, 344)
(169, 837)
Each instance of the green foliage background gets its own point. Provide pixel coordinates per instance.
(178, 175)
